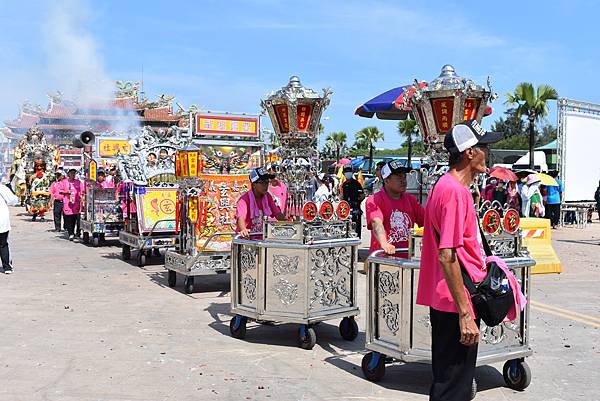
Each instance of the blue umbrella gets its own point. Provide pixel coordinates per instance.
(390, 105)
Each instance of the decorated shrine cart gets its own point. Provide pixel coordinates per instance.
(212, 172)
(32, 170)
(397, 328)
(101, 213)
(298, 271)
(148, 193)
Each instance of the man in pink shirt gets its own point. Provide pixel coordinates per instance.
(57, 200)
(71, 189)
(451, 239)
(253, 205)
(391, 212)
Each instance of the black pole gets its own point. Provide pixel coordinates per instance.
(531, 143)
(409, 150)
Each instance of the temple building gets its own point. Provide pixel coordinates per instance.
(63, 118)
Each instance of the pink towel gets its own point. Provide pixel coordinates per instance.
(520, 300)
(254, 210)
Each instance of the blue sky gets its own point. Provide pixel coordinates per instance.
(226, 55)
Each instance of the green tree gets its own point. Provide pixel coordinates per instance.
(366, 138)
(534, 105)
(335, 144)
(407, 129)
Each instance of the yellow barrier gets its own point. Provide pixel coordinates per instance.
(537, 237)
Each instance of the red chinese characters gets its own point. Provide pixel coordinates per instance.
(326, 210)
(491, 221)
(343, 210)
(309, 211)
(442, 110)
(304, 113)
(283, 118)
(511, 221)
(471, 106)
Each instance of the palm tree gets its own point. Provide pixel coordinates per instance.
(336, 142)
(366, 138)
(532, 104)
(407, 128)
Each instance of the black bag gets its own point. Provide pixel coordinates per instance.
(493, 297)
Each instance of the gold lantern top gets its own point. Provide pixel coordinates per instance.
(446, 101)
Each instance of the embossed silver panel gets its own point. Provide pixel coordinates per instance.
(330, 282)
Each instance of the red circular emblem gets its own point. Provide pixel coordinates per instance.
(511, 221)
(343, 210)
(326, 210)
(491, 221)
(309, 211)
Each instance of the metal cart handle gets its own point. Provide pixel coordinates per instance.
(217, 234)
(249, 235)
(380, 251)
(152, 231)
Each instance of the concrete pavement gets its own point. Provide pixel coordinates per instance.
(78, 323)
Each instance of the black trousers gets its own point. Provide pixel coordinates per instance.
(70, 221)
(453, 364)
(58, 213)
(357, 219)
(553, 213)
(4, 251)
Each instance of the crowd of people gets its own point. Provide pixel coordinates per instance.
(526, 194)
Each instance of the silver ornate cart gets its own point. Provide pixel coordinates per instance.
(101, 215)
(397, 328)
(149, 196)
(212, 173)
(302, 270)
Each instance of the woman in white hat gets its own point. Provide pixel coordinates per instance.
(532, 197)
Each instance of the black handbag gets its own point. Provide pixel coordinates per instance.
(493, 297)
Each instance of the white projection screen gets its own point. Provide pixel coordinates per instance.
(580, 155)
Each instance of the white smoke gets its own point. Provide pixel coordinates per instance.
(73, 59)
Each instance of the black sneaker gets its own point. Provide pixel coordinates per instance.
(8, 270)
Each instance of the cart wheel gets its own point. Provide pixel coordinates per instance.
(141, 259)
(95, 242)
(189, 284)
(517, 374)
(237, 326)
(149, 253)
(307, 337)
(172, 279)
(157, 252)
(348, 328)
(126, 252)
(473, 389)
(373, 366)
(86, 237)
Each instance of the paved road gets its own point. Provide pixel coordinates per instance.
(80, 324)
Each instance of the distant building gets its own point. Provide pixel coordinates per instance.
(63, 118)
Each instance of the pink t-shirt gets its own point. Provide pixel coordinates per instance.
(398, 216)
(243, 210)
(54, 190)
(450, 212)
(279, 193)
(72, 202)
